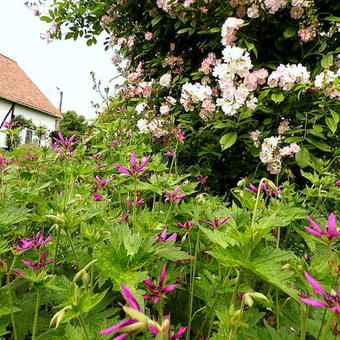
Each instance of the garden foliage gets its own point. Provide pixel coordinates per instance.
(121, 233)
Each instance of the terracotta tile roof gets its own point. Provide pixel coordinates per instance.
(16, 86)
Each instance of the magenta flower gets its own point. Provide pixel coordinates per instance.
(331, 301)
(337, 184)
(166, 329)
(187, 225)
(217, 223)
(100, 182)
(174, 197)
(39, 264)
(98, 156)
(202, 179)
(163, 237)
(330, 232)
(135, 168)
(157, 290)
(179, 134)
(36, 242)
(32, 158)
(4, 163)
(124, 218)
(64, 146)
(264, 187)
(170, 153)
(66, 142)
(116, 142)
(136, 202)
(98, 197)
(130, 325)
(121, 109)
(11, 124)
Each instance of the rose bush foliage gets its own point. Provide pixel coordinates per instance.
(252, 83)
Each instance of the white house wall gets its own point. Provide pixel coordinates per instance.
(38, 118)
(4, 108)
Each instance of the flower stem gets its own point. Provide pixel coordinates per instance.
(83, 326)
(15, 333)
(72, 246)
(56, 248)
(192, 285)
(36, 315)
(326, 330)
(304, 317)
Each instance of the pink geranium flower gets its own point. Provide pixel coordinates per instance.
(174, 197)
(43, 261)
(216, 223)
(129, 325)
(330, 232)
(135, 168)
(30, 243)
(331, 301)
(163, 237)
(158, 290)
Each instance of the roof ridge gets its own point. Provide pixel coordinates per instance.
(17, 86)
(8, 57)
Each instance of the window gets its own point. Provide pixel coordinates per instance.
(29, 136)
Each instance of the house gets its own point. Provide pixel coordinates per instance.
(19, 96)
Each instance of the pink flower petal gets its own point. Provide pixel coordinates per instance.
(318, 289)
(314, 224)
(170, 288)
(313, 302)
(332, 222)
(118, 326)
(312, 231)
(130, 298)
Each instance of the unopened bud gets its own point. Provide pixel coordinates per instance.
(248, 301)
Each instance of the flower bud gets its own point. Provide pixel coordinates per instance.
(248, 301)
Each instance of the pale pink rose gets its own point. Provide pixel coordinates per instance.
(148, 36)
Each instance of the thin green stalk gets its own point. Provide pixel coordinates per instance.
(211, 317)
(15, 333)
(192, 285)
(233, 331)
(56, 249)
(72, 246)
(327, 329)
(304, 317)
(83, 326)
(277, 309)
(36, 315)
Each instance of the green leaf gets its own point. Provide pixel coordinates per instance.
(228, 140)
(332, 18)
(46, 19)
(335, 116)
(289, 32)
(184, 30)
(331, 124)
(156, 20)
(327, 60)
(215, 30)
(302, 158)
(277, 97)
(320, 145)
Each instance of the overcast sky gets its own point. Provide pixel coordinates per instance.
(63, 64)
